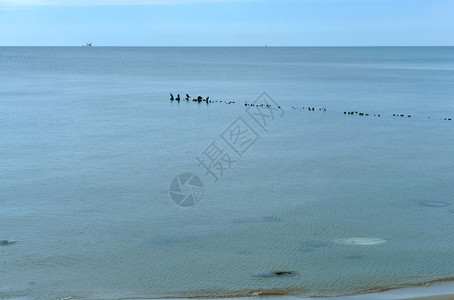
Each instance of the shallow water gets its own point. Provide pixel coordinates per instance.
(90, 143)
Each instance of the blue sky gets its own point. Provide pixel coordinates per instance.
(227, 22)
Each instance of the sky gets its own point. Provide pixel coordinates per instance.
(227, 22)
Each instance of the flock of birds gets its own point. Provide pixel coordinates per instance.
(359, 113)
(259, 105)
(198, 99)
(207, 100)
(377, 115)
(309, 108)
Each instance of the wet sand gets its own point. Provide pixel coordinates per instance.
(442, 297)
(388, 297)
(436, 291)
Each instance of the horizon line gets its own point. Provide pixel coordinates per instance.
(231, 46)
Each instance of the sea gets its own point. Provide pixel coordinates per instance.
(308, 172)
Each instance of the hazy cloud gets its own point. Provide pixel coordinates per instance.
(22, 3)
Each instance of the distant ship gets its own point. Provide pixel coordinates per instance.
(88, 44)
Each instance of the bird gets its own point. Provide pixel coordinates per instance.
(178, 97)
(171, 97)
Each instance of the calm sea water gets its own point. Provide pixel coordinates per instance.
(90, 142)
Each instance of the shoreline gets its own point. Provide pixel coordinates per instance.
(436, 290)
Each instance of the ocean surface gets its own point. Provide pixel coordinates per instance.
(311, 203)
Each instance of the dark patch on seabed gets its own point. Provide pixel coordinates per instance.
(6, 243)
(278, 274)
